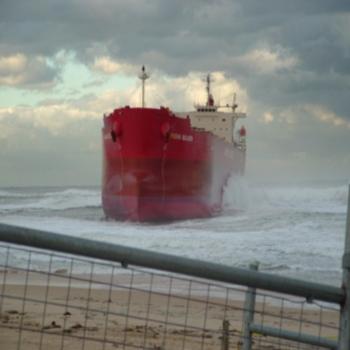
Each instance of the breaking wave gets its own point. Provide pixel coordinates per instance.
(295, 231)
(239, 194)
(13, 194)
(51, 200)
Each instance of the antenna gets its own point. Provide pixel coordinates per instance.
(143, 76)
(208, 85)
(234, 104)
(210, 99)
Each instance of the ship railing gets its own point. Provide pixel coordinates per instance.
(64, 292)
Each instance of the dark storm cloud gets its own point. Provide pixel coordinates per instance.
(183, 28)
(46, 27)
(180, 36)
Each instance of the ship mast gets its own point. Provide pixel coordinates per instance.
(208, 86)
(143, 76)
(234, 104)
(210, 99)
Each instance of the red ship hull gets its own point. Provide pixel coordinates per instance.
(156, 166)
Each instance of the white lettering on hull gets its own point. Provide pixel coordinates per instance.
(187, 138)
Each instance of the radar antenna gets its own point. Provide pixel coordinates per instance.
(143, 76)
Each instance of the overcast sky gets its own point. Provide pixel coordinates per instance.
(65, 63)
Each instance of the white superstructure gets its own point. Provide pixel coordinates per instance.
(222, 124)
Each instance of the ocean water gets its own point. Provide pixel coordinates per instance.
(294, 230)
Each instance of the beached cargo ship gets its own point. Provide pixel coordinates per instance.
(162, 165)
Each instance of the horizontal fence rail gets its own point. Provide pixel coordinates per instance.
(294, 336)
(51, 300)
(165, 262)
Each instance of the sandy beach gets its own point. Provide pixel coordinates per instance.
(61, 311)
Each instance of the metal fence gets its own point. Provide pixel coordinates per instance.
(60, 292)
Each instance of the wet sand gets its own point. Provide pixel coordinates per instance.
(69, 313)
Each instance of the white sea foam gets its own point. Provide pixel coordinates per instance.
(240, 195)
(13, 194)
(296, 231)
(52, 200)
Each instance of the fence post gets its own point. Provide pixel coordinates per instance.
(249, 306)
(225, 335)
(344, 332)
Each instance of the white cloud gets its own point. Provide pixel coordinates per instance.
(324, 115)
(296, 114)
(268, 118)
(107, 65)
(179, 94)
(54, 118)
(13, 63)
(19, 70)
(12, 69)
(266, 60)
